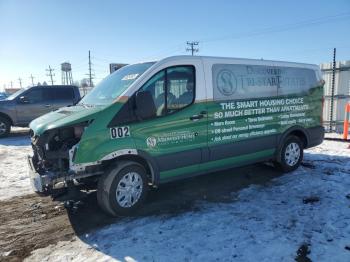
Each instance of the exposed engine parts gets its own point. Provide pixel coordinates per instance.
(51, 150)
(51, 157)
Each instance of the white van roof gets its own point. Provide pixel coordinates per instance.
(213, 59)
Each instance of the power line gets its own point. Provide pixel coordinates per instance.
(315, 50)
(50, 70)
(165, 52)
(192, 46)
(80, 67)
(100, 66)
(269, 30)
(80, 64)
(102, 59)
(282, 28)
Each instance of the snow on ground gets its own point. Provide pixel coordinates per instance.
(264, 223)
(335, 135)
(14, 179)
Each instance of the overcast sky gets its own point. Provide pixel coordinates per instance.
(36, 34)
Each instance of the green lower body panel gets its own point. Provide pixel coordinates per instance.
(213, 165)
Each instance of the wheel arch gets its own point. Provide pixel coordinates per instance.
(297, 131)
(6, 116)
(143, 159)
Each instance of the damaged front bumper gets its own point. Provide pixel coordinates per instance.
(35, 178)
(43, 182)
(48, 181)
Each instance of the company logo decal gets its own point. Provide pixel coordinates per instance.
(226, 82)
(151, 142)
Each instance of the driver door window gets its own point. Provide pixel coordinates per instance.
(172, 89)
(156, 86)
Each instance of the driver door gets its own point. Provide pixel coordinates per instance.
(177, 134)
(31, 105)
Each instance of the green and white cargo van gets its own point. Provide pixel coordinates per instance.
(150, 123)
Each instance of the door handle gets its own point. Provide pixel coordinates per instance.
(47, 105)
(196, 117)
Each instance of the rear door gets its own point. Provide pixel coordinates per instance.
(61, 97)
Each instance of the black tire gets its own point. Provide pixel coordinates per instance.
(108, 184)
(5, 127)
(287, 160)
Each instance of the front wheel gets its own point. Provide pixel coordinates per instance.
(123, 189)
(5, 127)
(291, 154)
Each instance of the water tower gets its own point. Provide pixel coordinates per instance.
(66, 69)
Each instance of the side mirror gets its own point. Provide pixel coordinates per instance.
(24, 100)
(145, 107)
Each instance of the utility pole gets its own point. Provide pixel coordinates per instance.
(20, 82)
(332, 91)
(90, 75)
(32, 77)
(191, 47)
(50, 74)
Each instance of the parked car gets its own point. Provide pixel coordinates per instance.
(150, 123)
(3, 96)
(20, 108)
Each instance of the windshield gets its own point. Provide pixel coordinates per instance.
(14, 95)
(114, 85)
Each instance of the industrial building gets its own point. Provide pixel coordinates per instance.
(341, 94)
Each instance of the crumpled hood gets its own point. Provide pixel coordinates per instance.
(65, 116)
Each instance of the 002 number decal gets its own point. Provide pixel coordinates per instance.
(120, 132)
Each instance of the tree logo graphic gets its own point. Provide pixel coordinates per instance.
(151, 142)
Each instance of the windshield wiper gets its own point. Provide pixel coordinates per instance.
(86, 105)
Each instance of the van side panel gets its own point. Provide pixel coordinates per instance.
(247, 108)
(253, 105)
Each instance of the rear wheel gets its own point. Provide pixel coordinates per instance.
(291, 154)
(123, 189)
(5, 127)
